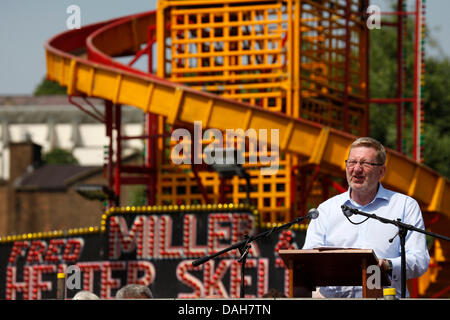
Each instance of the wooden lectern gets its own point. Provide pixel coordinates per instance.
(330, 267)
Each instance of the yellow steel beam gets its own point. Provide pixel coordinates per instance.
(317, 153)
(184, 104)
(438, 196)
(179, 103)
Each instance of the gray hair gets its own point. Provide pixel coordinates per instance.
(134, 291)
(85, 295)
(371, 143)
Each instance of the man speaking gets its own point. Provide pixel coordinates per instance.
(365, 167)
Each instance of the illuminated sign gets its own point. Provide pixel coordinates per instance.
(154, 246)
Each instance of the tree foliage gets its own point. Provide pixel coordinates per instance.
(437, 115)
(436, 95)
(59, 156)
(48, 87)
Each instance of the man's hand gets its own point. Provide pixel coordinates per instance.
(382, 263)
(385, 265)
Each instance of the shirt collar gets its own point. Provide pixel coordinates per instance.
(382, 193)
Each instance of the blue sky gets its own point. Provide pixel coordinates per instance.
(25, 25)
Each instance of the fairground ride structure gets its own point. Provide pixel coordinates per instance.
(298, 66)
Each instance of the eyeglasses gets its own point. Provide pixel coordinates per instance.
(364, 164)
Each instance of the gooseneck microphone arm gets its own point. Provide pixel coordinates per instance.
(402, 231)
(346, 209)
(244, 245)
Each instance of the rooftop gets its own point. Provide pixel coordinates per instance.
(40, 109)
(54, 177)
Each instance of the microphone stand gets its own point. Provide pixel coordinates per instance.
(244, 246)
(402, 231)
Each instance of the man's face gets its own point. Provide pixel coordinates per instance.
(363, 178)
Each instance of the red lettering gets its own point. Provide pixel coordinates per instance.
(217, 233)
(107, 282)
(36, 252)
(142, 236)
(13, 286)
(251, 263)
(39, 285)
(284, 242)
(165, 233)
(148, 246)
(243, 225)
(262, 277)
(18, 250)
(72, 250)
(123, 240)
(32, 285)
(235, 278)
(53, 253)
(189, 280)
(146, 267)
(88, 269)
(191, 250)
(213, 280)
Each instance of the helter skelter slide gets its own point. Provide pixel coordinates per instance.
(298, 66)
(286, 65)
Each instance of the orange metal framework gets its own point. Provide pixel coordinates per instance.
(303, 58)
(307, 59)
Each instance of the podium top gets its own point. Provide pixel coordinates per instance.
(331, 266)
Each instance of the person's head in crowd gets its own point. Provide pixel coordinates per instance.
(85, 295)
(134, 291)
(273, 293)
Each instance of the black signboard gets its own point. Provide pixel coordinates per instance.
(154, 246)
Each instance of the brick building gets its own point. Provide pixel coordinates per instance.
(35, 197)
(42, 197)
(52, 122)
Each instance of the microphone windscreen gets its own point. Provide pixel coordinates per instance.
(313, 213)
(346, 210)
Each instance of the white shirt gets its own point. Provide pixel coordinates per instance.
(332, 229)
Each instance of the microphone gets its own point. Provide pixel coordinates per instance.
(347, 210)
(313, 213)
